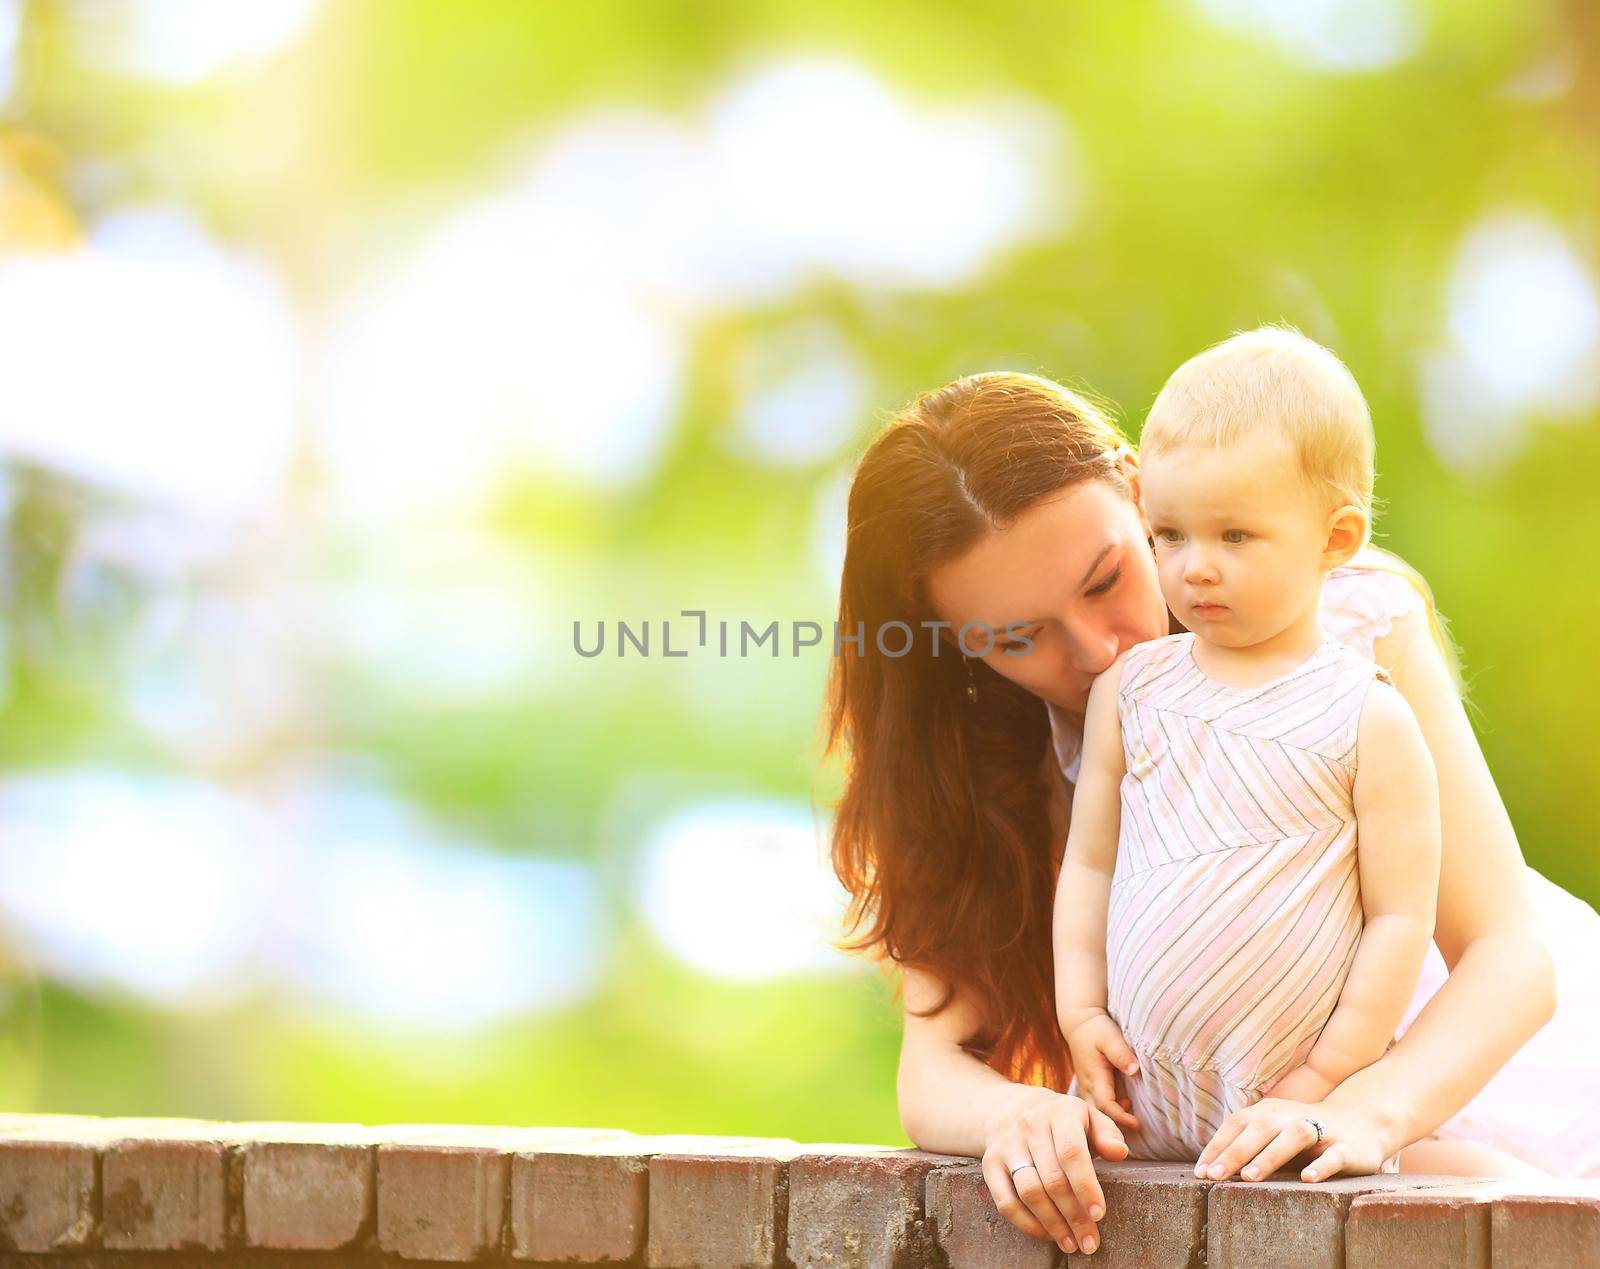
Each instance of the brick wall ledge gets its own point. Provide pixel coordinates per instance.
(81, 1191)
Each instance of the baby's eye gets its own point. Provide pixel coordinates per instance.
(1235, 536)
(1168, 535)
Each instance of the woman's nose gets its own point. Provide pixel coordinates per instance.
(1094, 649)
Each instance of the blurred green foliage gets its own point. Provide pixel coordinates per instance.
(1218, 184)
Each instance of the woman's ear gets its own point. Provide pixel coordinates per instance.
(1346, 531)
(1128, 465)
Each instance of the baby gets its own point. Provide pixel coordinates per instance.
(1221, 927)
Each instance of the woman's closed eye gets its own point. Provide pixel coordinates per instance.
(1100, 588)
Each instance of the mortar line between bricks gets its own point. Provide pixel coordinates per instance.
(936, 1256)
(233, 1231)
(97, 1197)
(643, 1257)
(504, 1240)
(367, 1231)
(780, 1232)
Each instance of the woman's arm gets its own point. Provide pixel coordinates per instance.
(954, 1103)
(1501, 987)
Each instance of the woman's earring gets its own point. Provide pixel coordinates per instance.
(972, 684)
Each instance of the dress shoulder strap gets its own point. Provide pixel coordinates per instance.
(1356, 673)
(1146, 663)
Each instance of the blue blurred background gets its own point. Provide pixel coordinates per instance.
(350, 352)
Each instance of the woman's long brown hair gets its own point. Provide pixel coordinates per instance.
(942, 835)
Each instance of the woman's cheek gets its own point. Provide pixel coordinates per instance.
(1141, 609)
(1028, 669)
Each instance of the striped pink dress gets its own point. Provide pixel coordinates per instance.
(1235, 906)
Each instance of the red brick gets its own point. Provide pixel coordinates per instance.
(442, 1189)
(729, 1208)
(307, 1187)
(1559, 1227)
(594, 1195)
(166, 1189)
(970, 1230)
(43, 1164)
(47, 1181)
(1287, 1224)
(1443, 1228)
(1155, 1215)
(589, 1201)
(861, 1207)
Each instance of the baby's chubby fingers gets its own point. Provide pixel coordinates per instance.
(1105, 1137)
(1123, 1118)
(1099, 1086)
(1117, 1050)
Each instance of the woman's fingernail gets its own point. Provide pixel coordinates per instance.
(1089, 1245)
(1251, 1174)
(1216, 1170)
(1068, 1246)
(1096, 1212)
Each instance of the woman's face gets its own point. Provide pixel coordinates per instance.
(1074, 574)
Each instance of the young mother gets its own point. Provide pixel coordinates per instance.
(1007, 502)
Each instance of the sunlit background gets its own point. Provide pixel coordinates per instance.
(350, 352)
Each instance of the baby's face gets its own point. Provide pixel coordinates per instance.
(1239, 539)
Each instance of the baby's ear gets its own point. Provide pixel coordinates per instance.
(1346, 533)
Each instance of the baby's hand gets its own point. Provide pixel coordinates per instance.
(1302, 1084)
(1098, 1053)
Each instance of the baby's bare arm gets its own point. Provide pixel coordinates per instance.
(1083, 890)
(1397, 813)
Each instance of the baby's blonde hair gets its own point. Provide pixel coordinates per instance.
(1271, 382)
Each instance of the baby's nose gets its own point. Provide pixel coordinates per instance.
(1198, 567)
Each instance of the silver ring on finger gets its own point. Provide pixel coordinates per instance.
(1317, 1124)
(1020, 1166)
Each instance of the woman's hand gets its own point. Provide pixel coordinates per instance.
(1058, 1197)
(1258, 1140)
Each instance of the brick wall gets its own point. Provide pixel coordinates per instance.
(85, 1192)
